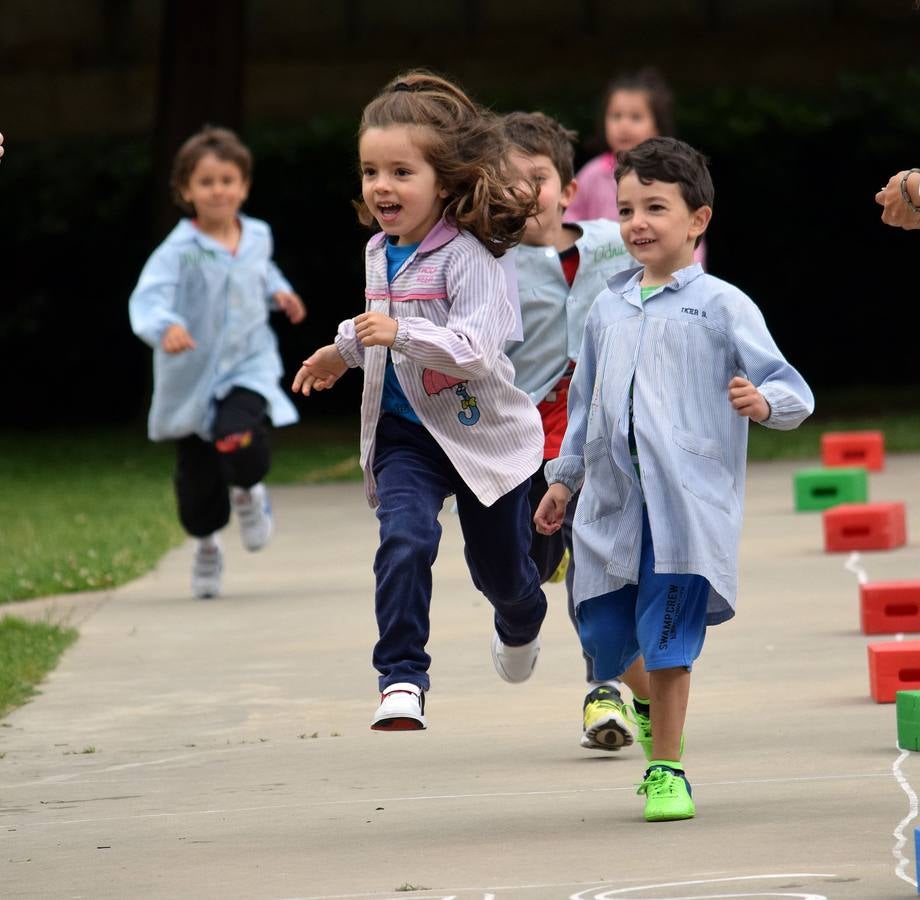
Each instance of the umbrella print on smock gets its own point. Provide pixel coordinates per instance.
(435, 382)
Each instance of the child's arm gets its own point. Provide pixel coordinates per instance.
(284, 296)
(773, 392)
(551, 511)
(150, 309)
(567, 471)
(480, 321)
(320, 371)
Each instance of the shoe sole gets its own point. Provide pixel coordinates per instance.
(671, 817)
(398, 723)
(606, 735)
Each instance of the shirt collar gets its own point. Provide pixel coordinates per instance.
(442, 233)
(626, 283)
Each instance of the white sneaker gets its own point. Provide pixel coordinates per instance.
(515, 664)
(207, 569)
(402, 708)
(254, 513)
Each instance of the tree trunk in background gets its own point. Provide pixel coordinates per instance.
(202, 51)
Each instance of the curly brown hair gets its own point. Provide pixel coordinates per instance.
(466, 147)
(222, 143)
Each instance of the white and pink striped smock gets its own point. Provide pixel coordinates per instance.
(451, 303)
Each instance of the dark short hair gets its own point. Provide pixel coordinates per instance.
(671, 160)
(537, 133)
(222, 142)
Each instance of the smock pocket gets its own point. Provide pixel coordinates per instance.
(600, 494)
(702, 471)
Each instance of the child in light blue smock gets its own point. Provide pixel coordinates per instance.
(673, 364)
(202, 303)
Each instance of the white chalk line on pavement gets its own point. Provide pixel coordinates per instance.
(900, 840)
(595, 891)
(853, 565)
(428, 798)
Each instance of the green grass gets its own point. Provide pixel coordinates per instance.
(87, 511)
(28, 651)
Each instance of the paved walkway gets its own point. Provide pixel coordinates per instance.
(220, 749)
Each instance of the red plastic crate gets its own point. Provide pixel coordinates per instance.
(893, 666)
(854, 448)
(864, 526)
(888, 607)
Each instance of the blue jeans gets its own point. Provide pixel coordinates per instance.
(414, 477)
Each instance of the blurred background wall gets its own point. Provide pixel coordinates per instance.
(804, 109)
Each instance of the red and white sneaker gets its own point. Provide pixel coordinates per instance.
(402, 708)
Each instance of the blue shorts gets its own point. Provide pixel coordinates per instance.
(663, 617)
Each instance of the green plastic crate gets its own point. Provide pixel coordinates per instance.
(817, 489)
(907, 704)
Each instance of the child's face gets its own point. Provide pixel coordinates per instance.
(399, 186)
(658, 227)
(216, 189)
(538, 171)
(629, 120)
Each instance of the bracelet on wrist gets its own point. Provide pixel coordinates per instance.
(905, 195)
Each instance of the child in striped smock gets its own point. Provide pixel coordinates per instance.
(673, 365)
(440, 414)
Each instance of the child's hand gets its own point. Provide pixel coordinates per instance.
(177, 340)
(551, 511)
(291, 305)
(322, 370)
(375, 329)
(747, 400)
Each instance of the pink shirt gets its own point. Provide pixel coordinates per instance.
(596, 197)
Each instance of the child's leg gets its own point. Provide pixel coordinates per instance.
(671, 626)
(241, 436)
(201, 492)
(497, 539)
(411, 486)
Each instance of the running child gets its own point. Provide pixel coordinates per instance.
(203, 302)
(440, 414)
(673, 364)
(561, 267)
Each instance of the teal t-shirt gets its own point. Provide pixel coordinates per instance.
(394, 401)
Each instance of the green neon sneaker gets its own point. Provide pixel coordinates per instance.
(604, 720)
(667, 795)
(644, 730)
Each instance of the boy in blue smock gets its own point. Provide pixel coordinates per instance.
(674, 362)
(202, 303)
(561, 267)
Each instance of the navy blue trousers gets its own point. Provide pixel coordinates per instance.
(414, 477)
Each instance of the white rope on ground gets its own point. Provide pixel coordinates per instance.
(900, 840)
(853, 565)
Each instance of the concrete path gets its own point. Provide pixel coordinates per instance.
(220, 749)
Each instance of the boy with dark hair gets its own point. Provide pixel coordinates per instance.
(561, 267)
(673, 363)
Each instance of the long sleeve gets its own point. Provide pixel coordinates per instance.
(348, 345)
(276, 280)
(790, 398)
(481, 320)
(569, 467)
(151, 307)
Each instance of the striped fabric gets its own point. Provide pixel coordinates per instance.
(679, 350)
(554, 313)
(450, 300)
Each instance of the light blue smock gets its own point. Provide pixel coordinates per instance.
(223, 300)
(680, 349)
